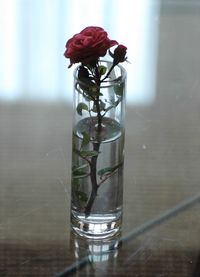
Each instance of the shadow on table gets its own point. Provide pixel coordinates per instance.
(196, 272)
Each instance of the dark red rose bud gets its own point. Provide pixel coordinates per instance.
(119, 54)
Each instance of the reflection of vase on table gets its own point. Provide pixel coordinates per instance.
(98, 134)
(95, 257)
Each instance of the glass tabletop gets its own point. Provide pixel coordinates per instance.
(161, 219)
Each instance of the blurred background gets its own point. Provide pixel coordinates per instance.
(33, 35)
(162, 143)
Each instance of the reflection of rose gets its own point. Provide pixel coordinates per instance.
(87, 46)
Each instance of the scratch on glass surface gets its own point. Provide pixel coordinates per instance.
(178, 244)
(134, 254)
(25, 261)
(138, 231)
(18, 218)
(59, 150)
(66, 190)
(146, 251)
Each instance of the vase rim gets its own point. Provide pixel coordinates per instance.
(108, 83)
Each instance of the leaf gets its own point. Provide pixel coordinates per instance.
(75, 150)
(109, 108)
(82, 196)
(78, 172)
(114, 104)
(88, 97)
(119, 89)
(104, 171)
(86, 139)
(88, 153)
(94, 109)
(108, 170)
(81, 106)
(74, 168)
(86, 84)
(102, 105)
(94, 91)
(102, 69)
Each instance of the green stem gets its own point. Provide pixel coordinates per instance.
(93, 178)
(96, 146)
(107, 75)
(99, 117)
(98, 83)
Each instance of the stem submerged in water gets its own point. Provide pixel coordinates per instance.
(93, 177)
(93, 164)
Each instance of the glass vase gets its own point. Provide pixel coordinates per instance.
(98, 154)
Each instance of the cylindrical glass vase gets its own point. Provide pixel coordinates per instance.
(98, 153)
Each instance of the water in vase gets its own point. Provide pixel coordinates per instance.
(97, 177)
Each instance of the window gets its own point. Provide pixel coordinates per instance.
(33, 36)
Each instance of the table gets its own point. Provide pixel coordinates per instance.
(161, 220)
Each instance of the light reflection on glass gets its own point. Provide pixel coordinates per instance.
(96, 250)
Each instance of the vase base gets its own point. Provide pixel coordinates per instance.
(96, 226)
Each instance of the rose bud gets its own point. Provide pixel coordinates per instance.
(119, 54)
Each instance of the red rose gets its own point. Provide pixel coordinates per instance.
(87, 46)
